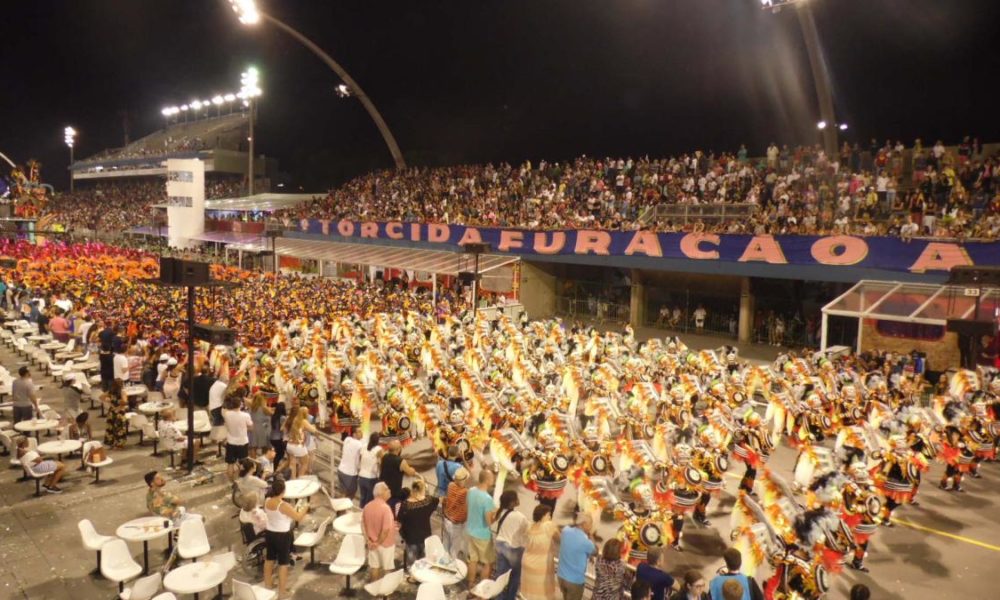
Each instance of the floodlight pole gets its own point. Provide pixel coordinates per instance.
(71, 168)
(253, 104)
(190, 378)
(390, 141)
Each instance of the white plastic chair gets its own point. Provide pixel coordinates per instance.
(143, 589)
(311, 539)
(136, 421)
(92, 540)
(226, 560)
(166, 596)
(490, 588)
(350, 558)
(434, 548)
(387, 585)
(245, 591)
(96, 466)
(192, 540)
(29, 471)
(117, 563)
(431, 590)
(148, 432)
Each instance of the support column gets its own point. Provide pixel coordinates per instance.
(824, 332)
(861, 326)
(637, 303)
(745, 328)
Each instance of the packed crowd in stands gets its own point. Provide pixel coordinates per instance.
(882, 190)
(642, 429)
(121, 205)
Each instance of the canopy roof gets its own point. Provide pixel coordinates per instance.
(257, 202)
(409, 259)
(912, 302)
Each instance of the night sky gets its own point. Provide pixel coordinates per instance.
(485, 80)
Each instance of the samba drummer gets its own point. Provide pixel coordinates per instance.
(344, 419)
(679, 489)
(752, 447)
(544, 470)
(862, 511)
(958, 457)
(897, 476)
(713, 462)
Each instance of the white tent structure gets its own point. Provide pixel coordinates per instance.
(929, 304)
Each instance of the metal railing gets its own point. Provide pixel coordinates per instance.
(593, 308)
(686, 213)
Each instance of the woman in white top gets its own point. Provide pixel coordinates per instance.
(298, 429)
(278, 536)
(368, 468)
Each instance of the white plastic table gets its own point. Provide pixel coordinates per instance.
(425, 571)
(300, 488)
(59, 447)
(36, 425)
(143, 530)
(199, 428)
(195, 578)
(349, 524)
(154, 408)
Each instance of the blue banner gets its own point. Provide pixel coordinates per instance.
(883, 253)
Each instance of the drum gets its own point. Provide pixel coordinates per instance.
(650, 535)
(821, 578)
(648, 431)
(463, 445)
(560, 463)
(598, 464)
(403, 424)
(721, 464)
(692, 476)
(912, 471)
(825, 423)
(873, 505)
(313, 393)
(994, 429)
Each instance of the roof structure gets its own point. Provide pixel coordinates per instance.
(410, 259)
(914, 302)
(260, 202)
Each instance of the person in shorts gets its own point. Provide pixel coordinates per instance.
(278, 536)
(53, 468)
(238, 424)
(379, 527)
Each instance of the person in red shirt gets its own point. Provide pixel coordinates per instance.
(59, 326)
(379, 528)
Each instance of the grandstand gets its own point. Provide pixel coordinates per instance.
(219, 141)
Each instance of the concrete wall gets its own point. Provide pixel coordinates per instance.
(941, 354)
(538, 290)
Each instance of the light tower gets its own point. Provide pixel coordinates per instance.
(69, 136)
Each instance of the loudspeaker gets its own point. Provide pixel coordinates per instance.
(8, 263)
(194, 273)
(466, 278)
(972, 328)
(215, 335)
(168, 269)
(475, 248)
(974, 276)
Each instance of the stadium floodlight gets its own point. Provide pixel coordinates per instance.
(229, 97)
(165, 112)
(246, 11)
(184, 107)
(821, 125)
(196, 104)
(69, 136)
(842, 127)
(250, 83)
(217, 100)
(343, 91)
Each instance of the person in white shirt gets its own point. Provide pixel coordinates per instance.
(511, 531)
(699, 317)
(238, 423)
(252, 514)
(350, 459)
(216, 395)
(120, 364)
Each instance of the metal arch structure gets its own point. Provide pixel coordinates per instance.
(390, 141)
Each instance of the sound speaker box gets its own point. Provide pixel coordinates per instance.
(215, 335)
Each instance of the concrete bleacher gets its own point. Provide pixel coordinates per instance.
(221, 132)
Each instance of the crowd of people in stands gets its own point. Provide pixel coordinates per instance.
(880, 190)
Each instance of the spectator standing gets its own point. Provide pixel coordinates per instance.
(699, 317)
(415, 520)
(350, 459)
(392, 469)
(379, 528)
(260, 414)
(23, 396)
(238, 425)
(368, 465)
(511, 537)
(456, 511)
(481, 513)
(609, 580)
(538, 577)
(734, 560)
(280, 516)
(446, 469)
(575, 549)
(649, 571)
(694, 588)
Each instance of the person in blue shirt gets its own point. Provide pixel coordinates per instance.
(575, 549)
(660, 582)
(446, 469)
(734, 560)
(481, 513)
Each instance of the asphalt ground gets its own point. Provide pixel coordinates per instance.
(949, 544)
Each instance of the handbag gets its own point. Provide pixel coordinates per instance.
(97, 455)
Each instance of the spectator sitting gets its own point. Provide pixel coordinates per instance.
(52, 468)
(249, 482)
(160, 502)
(252, 514)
